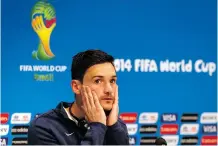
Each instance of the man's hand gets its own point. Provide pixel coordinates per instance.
(113, 116)
(91, 106)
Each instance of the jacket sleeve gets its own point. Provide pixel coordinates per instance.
(117, 134)
(40, 135)
(95, 134)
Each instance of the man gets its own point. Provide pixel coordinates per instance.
(93, 118)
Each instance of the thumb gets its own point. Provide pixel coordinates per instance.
(52, 26)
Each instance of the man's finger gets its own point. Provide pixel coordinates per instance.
(83, 98)
(116, 96)
(96, 100)
(90, 96)
(86, 104)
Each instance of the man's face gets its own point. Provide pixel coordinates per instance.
(102, 79)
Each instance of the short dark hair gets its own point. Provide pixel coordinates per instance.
(84, 60)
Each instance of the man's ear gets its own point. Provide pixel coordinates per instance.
(76, 86)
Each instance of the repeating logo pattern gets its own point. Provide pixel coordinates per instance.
(177, 129)
(143, 128)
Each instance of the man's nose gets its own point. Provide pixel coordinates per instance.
(108, 89)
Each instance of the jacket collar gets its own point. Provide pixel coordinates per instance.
(60, 107)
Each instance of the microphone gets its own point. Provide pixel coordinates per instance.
(160, 141)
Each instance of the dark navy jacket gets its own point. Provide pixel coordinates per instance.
(54, 127)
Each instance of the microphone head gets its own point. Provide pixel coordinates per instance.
(160, 141)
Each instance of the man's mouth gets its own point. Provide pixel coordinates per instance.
(107, 98)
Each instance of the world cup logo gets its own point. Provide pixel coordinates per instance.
(43, 18)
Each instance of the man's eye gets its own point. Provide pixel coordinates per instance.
(98, 81)
(113, 81)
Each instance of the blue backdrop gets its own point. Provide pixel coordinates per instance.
(151, 29)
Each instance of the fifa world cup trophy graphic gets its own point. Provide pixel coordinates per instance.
(43, 22)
